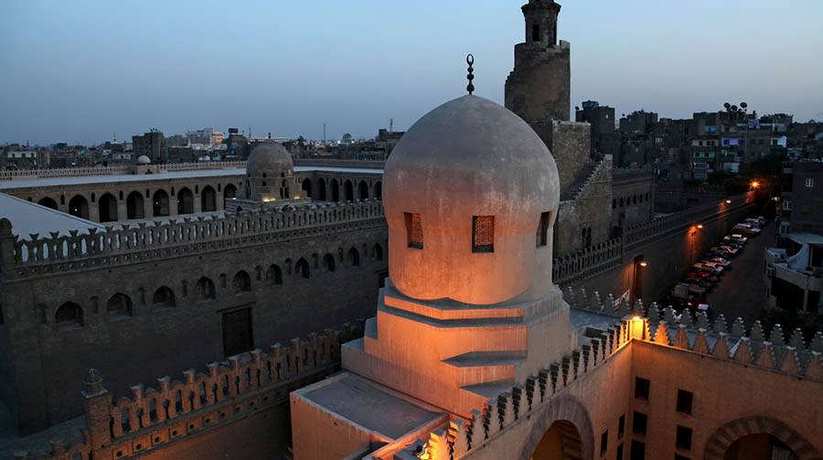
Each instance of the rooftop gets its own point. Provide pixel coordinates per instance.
(28, 218)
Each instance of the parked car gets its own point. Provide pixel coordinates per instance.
(746, 229)
(721, 260)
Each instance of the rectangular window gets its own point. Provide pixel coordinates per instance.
(414, 230)
(604, 443)
(543, 230)
(483, 234)
(638, 450)
(639, 422)
(535, 32)
(684, 438)
(641, 388)
(621, 426)
(684, 401)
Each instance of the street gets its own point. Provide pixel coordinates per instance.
(741, 291)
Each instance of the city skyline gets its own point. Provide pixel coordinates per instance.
(79, 73)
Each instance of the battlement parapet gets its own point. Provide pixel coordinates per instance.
(132, 244)
(152, 417)
(793, 359)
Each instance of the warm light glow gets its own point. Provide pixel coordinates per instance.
(700, 226)
(728, 201)
(268, 200)
(637, 327)
(755, 184)
(644, 264)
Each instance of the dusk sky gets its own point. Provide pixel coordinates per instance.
(79, 71)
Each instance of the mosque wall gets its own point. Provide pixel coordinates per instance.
(134, 315)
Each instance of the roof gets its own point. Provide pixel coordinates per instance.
(117, 178)
(805, 238)
(355, 399)
(27, 218)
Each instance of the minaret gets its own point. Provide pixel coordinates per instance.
(539, 88)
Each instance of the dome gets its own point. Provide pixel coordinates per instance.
(269, 173)
(470, 196)
(143, 160)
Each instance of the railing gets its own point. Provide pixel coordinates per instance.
(12, 174)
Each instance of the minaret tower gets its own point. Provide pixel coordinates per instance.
(539, 87)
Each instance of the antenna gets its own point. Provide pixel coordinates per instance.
(324, 132)
(391, 125)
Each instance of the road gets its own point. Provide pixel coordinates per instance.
(742, 291)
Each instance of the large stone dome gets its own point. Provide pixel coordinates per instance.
(480, 190)
(269, 173)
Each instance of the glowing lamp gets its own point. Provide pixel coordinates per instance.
(755, 184)
(700, 226)
(637, 327)
(728, 201)
(644, 264)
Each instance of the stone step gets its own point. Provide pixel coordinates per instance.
(489, 390)
(478, 367)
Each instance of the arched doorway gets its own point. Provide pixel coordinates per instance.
(47, 202)
(79, 207)
(160, 204)
(208, 199)
(306, 186)
(107, 208)
(229, 192)
(758, 438)
(363, 190)
(335, 190)
(185, 201)
(349, 188)
(321, 189)
(563, 430)
(135, 209)
(561, 442)
(759, 447)
(378, 191)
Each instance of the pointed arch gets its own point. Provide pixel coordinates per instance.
(205, 288)
(135, 207)
(306, 186)
(208, 199)
(163, 297)
(302, 268)
(349, 190)
(378, 190)
(160, 203)
(47, 202)
(354, 257)
(363, 190)
(185, 201)
(79, 206)
(241, 282)
(321, 189)
(274, 274)
(119, 305)
(328, 262)
(725, 436)
(378, 251)
(68, 315)
(335, 190)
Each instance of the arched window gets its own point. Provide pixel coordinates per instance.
(378, 191)
(328, 262)
(275, 275)
(163, 297)
(482, 233)
(119, 305)
(543, 229)
(205, 288)
(354, 257)
(229, 191)
(306, 186)
(302, 267)
(185, 201)
(208, 199)
(135, 208)
(349, 189)
(160, 204)
(378, 251)
(47, 202)
(363, 190)
(107, 208)
(241, 282)
(335, 190)
(79, 207)
(321, 189)
(69, 314)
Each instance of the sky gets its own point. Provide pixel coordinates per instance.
(82, 71)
